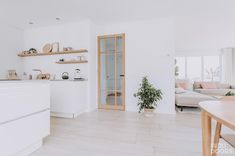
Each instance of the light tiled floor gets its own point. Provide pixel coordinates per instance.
(115, 133)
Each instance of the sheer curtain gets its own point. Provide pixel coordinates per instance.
(228, 65)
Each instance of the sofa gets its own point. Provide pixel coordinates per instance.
(189, 95)
(187, 98)
(213, 88)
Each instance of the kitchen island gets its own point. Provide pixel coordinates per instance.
(24, 116)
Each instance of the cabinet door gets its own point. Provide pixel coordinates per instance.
(68, 99)
(20, 134)
(111, 63)
(22, 99)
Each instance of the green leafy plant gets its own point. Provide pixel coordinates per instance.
(230, 94)
(147, 95)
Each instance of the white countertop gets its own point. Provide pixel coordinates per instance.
(40, 81)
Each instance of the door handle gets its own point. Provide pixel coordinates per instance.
(122, 75)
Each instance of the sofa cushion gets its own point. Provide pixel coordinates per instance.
(183, 83)
(224, 86)
(190, 98)
(198, 84)
(215, 92)
(209, 85)
(179, 90)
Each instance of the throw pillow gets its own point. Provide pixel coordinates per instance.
(183, 85)
(209, 85)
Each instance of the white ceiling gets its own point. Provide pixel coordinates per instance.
(19, 13)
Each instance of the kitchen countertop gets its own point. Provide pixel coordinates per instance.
(70, 80)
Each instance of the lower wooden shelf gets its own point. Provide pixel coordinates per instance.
(71, 62)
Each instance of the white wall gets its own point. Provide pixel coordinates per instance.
(11, 40)
(76, 35)
(149, 52)
(200, 35)
(93, 70)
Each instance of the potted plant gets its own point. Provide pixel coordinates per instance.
(230, 94)
(148, 96)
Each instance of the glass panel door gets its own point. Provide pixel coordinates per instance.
(107, 78)
(111, 71)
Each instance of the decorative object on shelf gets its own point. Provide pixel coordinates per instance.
(61, 60)
(42, 76)
(148, 96)
(48, 76)
(54, 53)
(12, 75)
(47, 48)
(55, 47)
(32, 51)
(25, 52)
(24, 76)
(82, 58)
(77, 74)
(67, 49)
(65, 75)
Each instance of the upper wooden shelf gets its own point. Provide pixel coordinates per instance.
(54, 53)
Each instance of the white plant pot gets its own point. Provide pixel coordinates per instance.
(149, 112)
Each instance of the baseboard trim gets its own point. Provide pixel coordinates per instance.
(65, 115)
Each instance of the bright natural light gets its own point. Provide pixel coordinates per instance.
(191, 68)
(211, 68)
(194, 68)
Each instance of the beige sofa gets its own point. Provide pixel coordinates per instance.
(186, 97)
(220, 90)
(192, 95)
(190, 99)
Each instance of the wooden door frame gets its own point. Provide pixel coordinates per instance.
(113, 107)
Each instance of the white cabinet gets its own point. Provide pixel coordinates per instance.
(24, 117)
(68, 98)
(24, 136)
(20, 99)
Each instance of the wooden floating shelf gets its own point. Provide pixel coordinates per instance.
(71, 62)
(55, 53)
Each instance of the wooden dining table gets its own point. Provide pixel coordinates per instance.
(221, 111)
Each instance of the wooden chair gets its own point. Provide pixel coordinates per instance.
(227, 137)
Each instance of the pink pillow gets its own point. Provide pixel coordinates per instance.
(209, 85)
(183, 85)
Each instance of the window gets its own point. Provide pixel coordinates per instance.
(211, 68)
(194, 68)
(198, 68)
